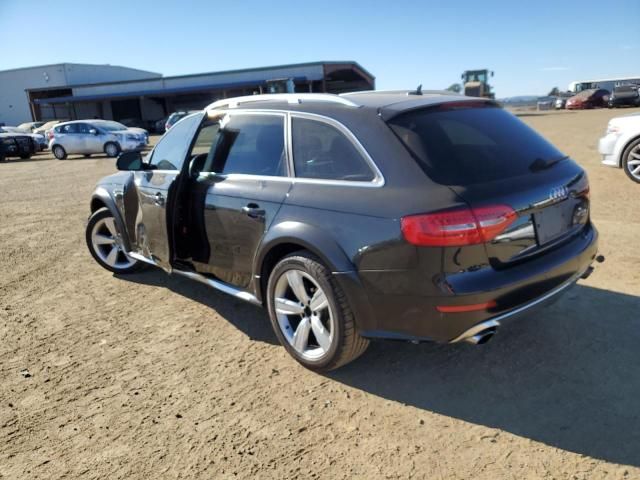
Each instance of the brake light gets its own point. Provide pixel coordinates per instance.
(50, 134)
(459, 227)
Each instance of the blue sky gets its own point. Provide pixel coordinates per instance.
(531, 46)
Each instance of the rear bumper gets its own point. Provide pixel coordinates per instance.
(524, 310)
(516, 291)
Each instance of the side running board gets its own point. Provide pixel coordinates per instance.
(217, 284)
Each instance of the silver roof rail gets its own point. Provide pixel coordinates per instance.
(284, 97)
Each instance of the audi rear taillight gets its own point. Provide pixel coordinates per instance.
(459, 227)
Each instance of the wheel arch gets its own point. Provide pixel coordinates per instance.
(288, 237)
(101, 198)
(623, 150)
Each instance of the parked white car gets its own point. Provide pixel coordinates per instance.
(95, 136)
(620, 147)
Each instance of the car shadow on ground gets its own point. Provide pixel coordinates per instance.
(569, 377)
(250, 319)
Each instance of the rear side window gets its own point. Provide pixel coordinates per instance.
(322, 151)
(468, 145)
(251, 145)
(68, 128)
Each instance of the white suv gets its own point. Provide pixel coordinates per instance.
(620, 147)
(95, 136)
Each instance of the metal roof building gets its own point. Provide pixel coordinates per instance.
(15, 102)
(150, 96)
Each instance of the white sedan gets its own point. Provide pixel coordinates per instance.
(620, 147)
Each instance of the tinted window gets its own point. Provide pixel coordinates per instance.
(251, 144)
(322, 151)
(84, 128)
(202, 152)
(464, 146)
(171, 151)
(69, 128)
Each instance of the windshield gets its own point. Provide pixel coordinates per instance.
(111, 126)
(463, 145)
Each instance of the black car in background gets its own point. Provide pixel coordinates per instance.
(625, 95)
(418, 216)
(16, 145)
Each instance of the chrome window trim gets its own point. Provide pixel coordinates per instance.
(378, 179)
(285, 125)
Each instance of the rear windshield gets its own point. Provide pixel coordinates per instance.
(468, 145)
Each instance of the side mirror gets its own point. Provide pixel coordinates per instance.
(130, 161)
(93, 131)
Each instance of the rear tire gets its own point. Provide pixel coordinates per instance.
(310, 314)
(105, 244)
(631, 160)
(112, 149)
(59, 152)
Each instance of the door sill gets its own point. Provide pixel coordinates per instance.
(217, 284)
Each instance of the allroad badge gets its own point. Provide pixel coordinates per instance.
(558, 193)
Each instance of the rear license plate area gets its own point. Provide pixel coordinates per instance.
(552, 222)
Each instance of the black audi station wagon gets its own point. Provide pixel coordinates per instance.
(418, 216)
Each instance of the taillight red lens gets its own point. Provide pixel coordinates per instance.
(459, 227)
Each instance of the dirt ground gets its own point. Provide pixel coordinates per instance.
(151, 376)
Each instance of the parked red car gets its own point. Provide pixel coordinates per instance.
(593, 98)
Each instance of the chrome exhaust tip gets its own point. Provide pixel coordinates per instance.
(482, 337)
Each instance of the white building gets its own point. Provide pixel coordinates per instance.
(15, 105)
(73, 91)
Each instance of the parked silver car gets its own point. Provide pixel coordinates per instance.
(95, 136)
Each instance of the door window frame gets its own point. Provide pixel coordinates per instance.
(149, 156)
(378, 178)
(218, 115)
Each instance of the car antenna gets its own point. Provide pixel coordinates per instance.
(418, 91)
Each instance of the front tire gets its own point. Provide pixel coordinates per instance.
(310, 314)
(105, 243)
(631, 160)
(59, 152)
(112, 149)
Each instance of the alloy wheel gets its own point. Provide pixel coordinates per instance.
(107, 244)
(111, 150)
(304, 314)
(633, 162)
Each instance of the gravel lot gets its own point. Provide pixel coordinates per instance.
(152, 376)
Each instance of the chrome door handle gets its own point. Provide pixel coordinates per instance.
(253, 210)
(159, 199)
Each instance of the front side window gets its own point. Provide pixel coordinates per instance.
(322, 151)
(171, 151)
(251, 145)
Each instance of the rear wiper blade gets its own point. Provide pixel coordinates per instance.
(540, 164)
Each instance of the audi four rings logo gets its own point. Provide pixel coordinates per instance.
(559, 193)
